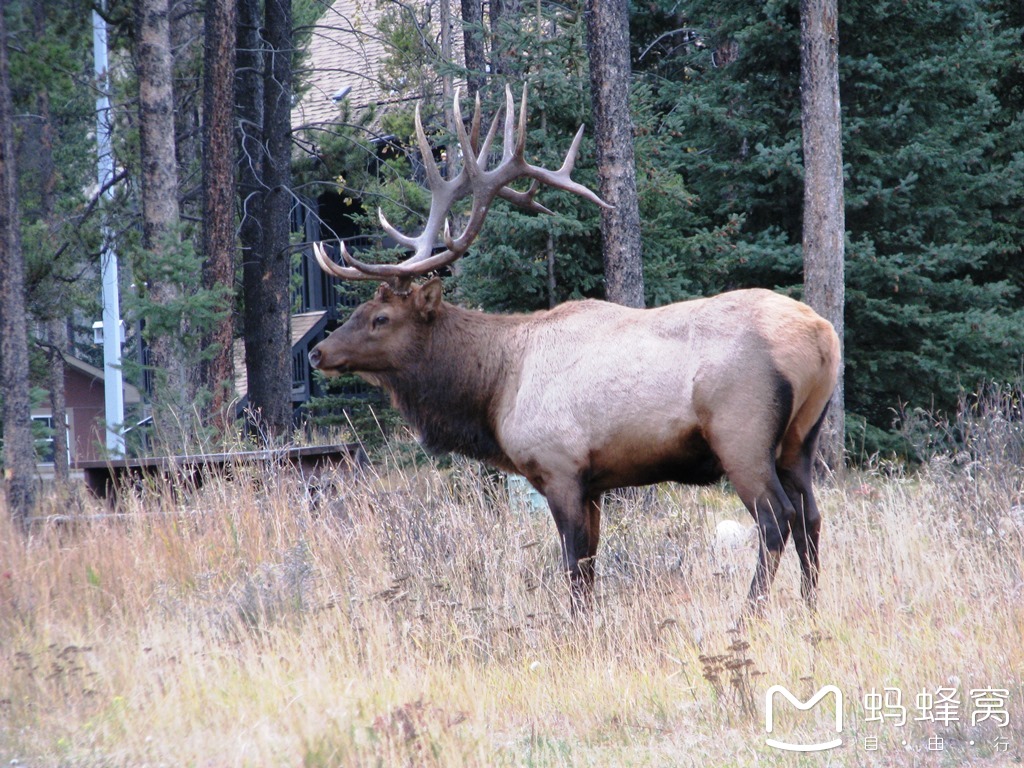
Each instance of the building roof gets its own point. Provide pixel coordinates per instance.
(345, 52)
(344, 61)
(131, 392)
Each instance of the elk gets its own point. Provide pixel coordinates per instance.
(590, 396)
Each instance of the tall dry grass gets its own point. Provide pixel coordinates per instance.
(416, 618)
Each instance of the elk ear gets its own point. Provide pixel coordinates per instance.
(427, 299)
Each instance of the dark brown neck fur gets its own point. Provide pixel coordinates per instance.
(450, 391)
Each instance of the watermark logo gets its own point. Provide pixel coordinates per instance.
(769, 717)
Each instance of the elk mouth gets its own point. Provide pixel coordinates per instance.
(332, 373)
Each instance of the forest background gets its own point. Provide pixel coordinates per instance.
(931, 92)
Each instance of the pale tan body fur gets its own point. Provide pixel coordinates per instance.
(601, 384)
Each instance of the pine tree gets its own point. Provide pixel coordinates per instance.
(933, 177)
(218, 179)
(18, 454)
(165, 264)
(610, 76)
(824, 221)
(265, 187)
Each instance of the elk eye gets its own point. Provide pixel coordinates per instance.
(379, 321)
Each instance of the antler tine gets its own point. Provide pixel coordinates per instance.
(470, 158)
(387, 226)
(509, 142)
(491, 133)
(473, 153)
(407, 268)
(570, 157)
(328, 265)
(474, 133)
(429, 166)
(561, 179)
(521, 138)
(525, 199)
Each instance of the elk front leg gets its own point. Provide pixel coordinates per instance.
(577, 518)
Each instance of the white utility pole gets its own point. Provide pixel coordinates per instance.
(113, 385)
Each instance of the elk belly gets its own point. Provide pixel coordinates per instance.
(636, 459)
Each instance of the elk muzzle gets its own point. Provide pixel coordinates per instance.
(325, 362)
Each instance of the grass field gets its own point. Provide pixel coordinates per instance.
(419, 619)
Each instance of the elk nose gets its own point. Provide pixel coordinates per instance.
(314, 357)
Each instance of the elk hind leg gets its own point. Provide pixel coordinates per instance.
(751, 468)
(796, 480)
(774, 514)
(806, 528)
(762, 493)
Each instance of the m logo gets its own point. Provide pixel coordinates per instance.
(769, 717)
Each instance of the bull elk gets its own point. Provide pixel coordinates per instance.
(591, 396)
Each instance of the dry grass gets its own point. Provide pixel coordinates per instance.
(421, 621)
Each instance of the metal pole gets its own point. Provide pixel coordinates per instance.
(113, 386)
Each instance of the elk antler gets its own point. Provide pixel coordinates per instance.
(474, 178)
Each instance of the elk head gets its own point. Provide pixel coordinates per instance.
(382, 334)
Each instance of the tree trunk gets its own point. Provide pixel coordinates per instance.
(19, 450)
(173, 393)
(608, 48)
(473, 46)
(56, 326)
(267, 271)
(824, 217)
(251, 154)
(503, 12)
(56, 346)
(218, 375)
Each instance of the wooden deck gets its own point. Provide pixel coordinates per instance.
(105, 477)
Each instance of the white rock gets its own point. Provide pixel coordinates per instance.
(731, 534)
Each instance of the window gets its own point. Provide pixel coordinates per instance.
(42, 432)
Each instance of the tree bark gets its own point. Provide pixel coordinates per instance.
(824, 217)
(473, 46)
(173, 386)
(19, 450)
(503, 12)
(218, 375)
(57, 344)
(266, 272)
(56, 327)
(251, 154)
(608, 48)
